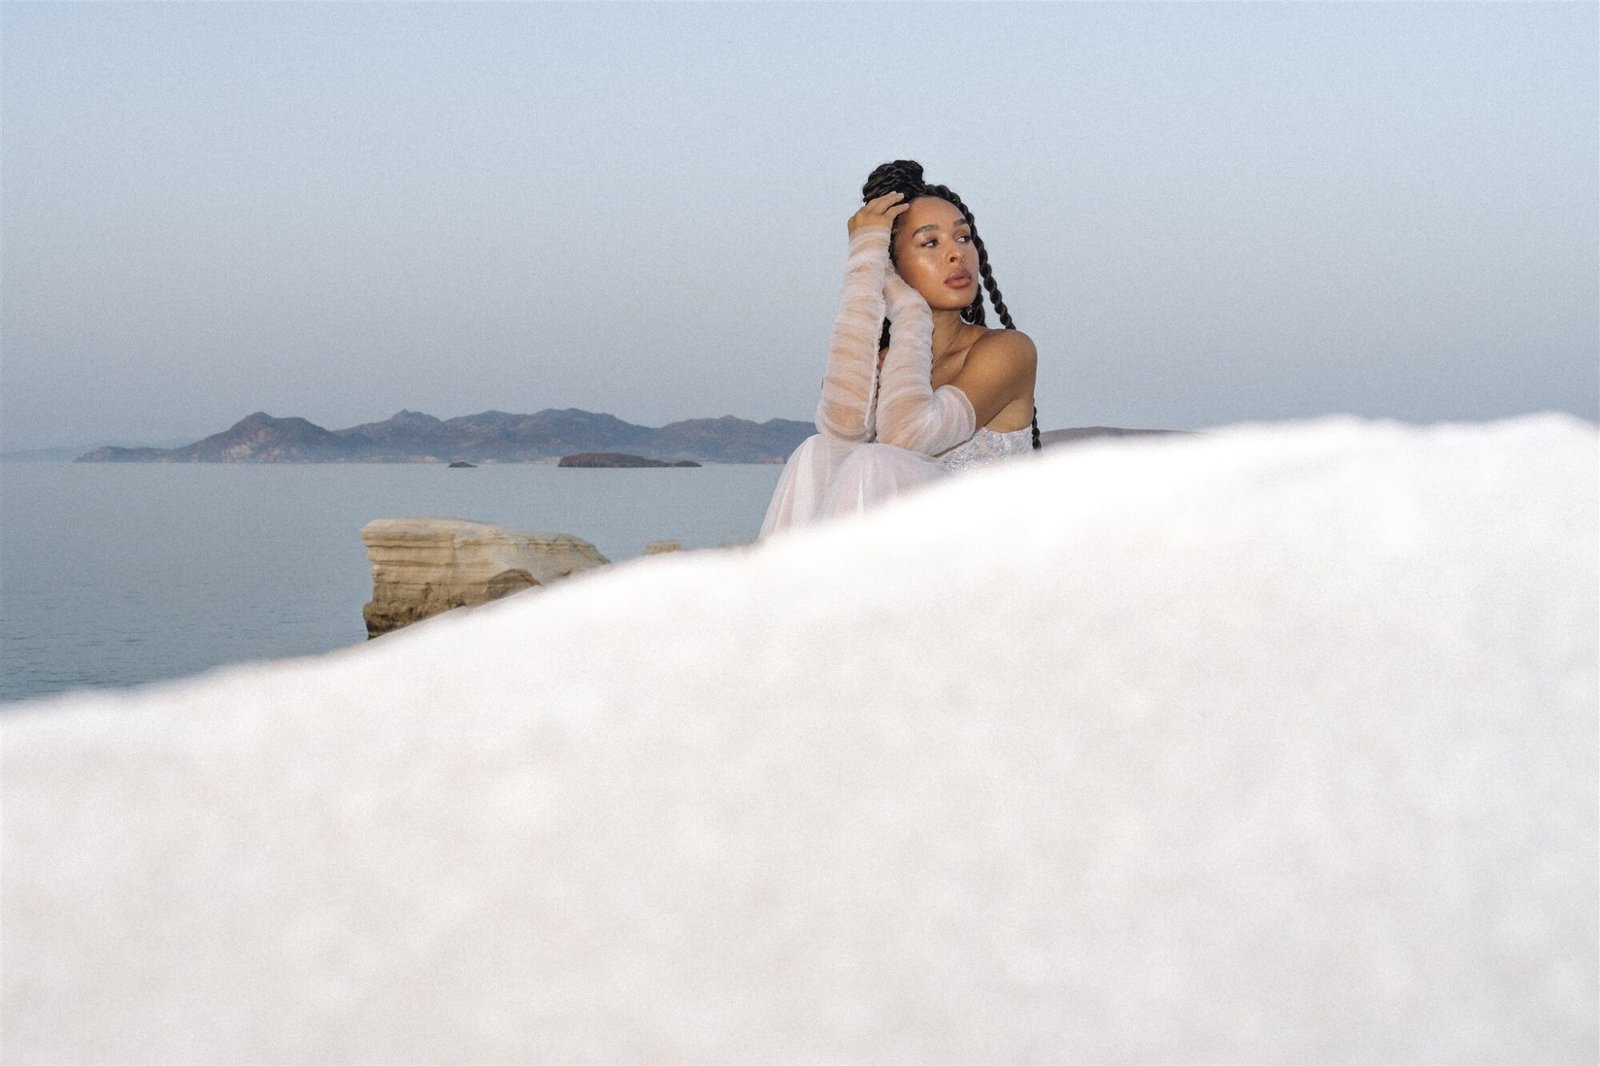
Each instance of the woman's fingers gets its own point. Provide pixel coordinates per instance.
(878, 212)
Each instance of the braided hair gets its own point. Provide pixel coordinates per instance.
(905, 176)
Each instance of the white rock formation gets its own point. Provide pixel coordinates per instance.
(424, 566)
(1277, 744)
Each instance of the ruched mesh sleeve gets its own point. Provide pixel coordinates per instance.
(845, 410)
(913, 414)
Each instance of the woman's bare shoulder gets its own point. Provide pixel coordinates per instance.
(1006, 345)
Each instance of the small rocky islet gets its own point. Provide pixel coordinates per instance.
(617, 461)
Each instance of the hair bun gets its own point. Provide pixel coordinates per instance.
(902, 175)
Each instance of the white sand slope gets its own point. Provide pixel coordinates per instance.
(1274, 744)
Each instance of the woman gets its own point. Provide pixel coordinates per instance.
(926, 390)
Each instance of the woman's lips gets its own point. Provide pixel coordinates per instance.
(959, 281)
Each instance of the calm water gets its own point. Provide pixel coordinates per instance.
(115, 574)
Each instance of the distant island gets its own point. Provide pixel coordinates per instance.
(489, 437)
(617, 460)
(570, 437)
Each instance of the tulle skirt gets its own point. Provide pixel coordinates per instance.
(827, 477)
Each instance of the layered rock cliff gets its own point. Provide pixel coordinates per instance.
(424, 566)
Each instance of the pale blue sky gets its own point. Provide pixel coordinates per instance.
(1202, 213)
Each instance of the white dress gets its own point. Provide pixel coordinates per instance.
(827, 477)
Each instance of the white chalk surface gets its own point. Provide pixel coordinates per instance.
(1273, 744)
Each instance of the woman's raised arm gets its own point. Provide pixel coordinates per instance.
(850, 380)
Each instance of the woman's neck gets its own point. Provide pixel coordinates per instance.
(949, 334)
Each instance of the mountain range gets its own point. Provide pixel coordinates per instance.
(489, 437)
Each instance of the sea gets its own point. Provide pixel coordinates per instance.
(118, 574)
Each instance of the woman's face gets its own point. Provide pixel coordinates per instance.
(934, 253)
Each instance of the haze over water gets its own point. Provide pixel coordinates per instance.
(1203, 213)
(122, 574)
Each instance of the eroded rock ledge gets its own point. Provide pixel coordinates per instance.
(423, 566)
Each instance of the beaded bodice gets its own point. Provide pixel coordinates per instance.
(986, 446)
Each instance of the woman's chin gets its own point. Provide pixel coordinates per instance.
(948, 300)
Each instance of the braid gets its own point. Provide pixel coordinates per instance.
(974, 314)
(990, 284)
(905, 176)
(999, 307)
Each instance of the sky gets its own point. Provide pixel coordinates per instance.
(1201, 213)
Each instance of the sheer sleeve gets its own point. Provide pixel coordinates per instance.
(913, 414)
(845, 410)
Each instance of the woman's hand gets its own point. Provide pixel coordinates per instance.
(878, 213)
